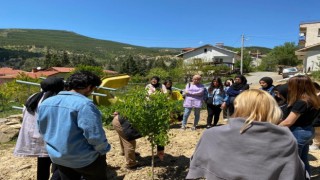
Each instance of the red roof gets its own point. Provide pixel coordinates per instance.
(9, 71)
(62, 69)
(41, 74)
(187, 49)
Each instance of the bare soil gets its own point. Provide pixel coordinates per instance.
(175, 165)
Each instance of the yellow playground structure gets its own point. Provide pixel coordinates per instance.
(110, 82)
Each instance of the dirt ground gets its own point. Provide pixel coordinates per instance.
(175, 165)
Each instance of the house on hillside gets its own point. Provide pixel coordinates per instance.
(309, 43)
(8, 74)
(213, 55)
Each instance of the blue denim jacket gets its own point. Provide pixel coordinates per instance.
(72, 129)
(219, 96)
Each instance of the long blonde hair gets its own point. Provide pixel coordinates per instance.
(256, 105)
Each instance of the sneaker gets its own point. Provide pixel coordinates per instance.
(225, 119)
(208, 127)
(183, 127)
(133, 167)
(193, 128)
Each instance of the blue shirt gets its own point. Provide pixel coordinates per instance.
(218, 96)
(72, 129)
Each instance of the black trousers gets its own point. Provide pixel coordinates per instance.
(95, 171)
(43, 168)
(213, 112)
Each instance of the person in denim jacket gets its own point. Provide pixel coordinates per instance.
(71, 126)
(193, 100)
(218, 95)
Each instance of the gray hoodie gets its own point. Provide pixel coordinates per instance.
(263, 152)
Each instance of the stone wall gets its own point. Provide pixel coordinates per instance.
(9, 127)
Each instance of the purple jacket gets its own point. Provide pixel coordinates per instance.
(194, 96)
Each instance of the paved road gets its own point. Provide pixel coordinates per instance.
(254, 77)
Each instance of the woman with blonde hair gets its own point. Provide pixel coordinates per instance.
(193, 92)
(250, 146)
(303, 105)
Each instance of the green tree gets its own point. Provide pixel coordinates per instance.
(65, 59)
(97, 70)
(163, 74)
(246, 62)
(149, 115)
(280, 55)
(128, 66)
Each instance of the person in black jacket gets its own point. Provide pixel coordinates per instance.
(127, 142)
(239, 85)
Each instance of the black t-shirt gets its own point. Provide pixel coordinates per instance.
(306, 111)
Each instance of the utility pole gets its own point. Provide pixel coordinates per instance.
(241, 61)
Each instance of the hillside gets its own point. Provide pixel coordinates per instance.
(262, 50)
(35, 40)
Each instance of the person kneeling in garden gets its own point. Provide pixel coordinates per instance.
(127, 137)
(251, 146)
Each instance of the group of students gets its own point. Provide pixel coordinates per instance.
(216, 96)
(62, 126)
(267, 137)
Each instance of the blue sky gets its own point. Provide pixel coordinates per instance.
(167, 23)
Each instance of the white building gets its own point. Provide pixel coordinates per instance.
(309, 42)
(210, 55)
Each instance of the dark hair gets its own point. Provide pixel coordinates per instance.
(156, 78)
(166, 82)
(316, 85)
(220, 86)
(50, 87)
(226, 82)
(82, 79)
(242, 78)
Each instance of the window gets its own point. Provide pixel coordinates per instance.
(218, 60)
(205, 50)
(319, 32)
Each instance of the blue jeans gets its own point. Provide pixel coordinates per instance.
(186, 114)
(304, 136)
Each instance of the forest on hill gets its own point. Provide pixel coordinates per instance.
(28, 48)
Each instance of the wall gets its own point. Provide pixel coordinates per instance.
(312, 60)
(312, 33)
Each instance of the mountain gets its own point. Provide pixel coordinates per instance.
(262, 50)
(36, 40)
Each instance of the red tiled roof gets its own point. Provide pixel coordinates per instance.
(5, 71)
(62, 69)
(41, 73)
(187, 49)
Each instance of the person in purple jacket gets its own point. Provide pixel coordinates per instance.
(193, 100)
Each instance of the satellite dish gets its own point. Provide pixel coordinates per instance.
(301, 34)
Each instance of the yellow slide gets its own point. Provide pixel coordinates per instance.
(176, 95)
(110, 82)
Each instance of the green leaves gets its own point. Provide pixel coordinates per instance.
(149, 114)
